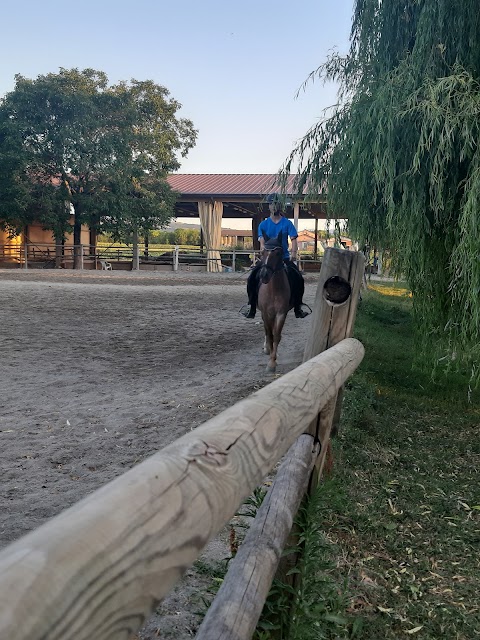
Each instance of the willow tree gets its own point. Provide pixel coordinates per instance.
(399, 156)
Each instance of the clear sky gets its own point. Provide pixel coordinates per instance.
(234, 66)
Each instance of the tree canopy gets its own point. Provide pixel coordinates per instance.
(399, 156)
(71, 139)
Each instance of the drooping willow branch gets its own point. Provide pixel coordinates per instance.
(399, 157)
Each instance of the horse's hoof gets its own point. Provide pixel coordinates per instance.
(271, 369)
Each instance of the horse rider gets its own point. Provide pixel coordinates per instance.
(272, 227)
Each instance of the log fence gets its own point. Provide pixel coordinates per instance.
(97, 570)
(238, 604)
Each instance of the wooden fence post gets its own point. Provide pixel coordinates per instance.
(238, 605)
(336, 303)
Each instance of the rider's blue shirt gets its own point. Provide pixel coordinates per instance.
(272, 230)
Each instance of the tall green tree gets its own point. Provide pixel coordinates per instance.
(193, 237)
(181, 236)
(399, 156)
(70, 142)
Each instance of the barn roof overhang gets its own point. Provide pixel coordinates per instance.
(243, 195)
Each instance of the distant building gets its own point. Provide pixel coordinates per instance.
(237, 237)
(306, 241)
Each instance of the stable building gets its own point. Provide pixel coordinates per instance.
(35, 245)
(209, 197)
(214, 197)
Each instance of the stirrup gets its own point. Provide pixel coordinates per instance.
(301, 312)
(247, 311)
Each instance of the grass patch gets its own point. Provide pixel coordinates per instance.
(398, 551)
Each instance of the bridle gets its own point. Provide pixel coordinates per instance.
(276, 269)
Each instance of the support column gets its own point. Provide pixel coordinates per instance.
(256, 220)
(296, 213)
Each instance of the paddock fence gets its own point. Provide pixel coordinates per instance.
(152, 258)
(98, 570)
(51, 256)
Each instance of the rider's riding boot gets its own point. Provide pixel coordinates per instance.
(300, 312)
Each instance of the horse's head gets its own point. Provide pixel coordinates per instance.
(272, 257)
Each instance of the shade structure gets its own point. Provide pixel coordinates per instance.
(210, 214)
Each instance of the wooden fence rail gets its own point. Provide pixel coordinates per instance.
(96, 571)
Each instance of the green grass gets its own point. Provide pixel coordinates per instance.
(395, 546)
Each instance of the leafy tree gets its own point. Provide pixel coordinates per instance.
(71, 140)
(154, 136)
(22, 199)
(154, 237)
(399, 155)
(181, 236)
(193, 237)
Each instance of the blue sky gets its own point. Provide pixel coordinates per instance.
(234, 66)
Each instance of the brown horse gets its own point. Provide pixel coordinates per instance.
(273, 296)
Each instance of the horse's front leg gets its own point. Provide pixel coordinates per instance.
(266, 346)
(268, 342)
(276, 337)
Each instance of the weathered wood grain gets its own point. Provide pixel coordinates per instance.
(97, 570)
(332, 323)
(238, 604)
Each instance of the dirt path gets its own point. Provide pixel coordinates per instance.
(100, 370)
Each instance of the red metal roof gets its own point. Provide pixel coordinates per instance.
(224, 184)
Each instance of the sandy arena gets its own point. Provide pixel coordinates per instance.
(99, 370)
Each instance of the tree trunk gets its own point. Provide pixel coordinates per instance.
(93, 239)
(136, 257)
(77, 240)
(59, 249)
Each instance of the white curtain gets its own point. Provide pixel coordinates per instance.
(211, 221)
